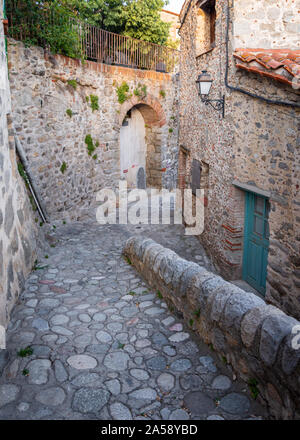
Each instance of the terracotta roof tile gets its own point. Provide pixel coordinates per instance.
(281, 64)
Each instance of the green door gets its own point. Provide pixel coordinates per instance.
(256, 241)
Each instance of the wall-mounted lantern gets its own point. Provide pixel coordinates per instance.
(204, 83)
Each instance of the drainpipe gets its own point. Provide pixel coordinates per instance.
(31, 185)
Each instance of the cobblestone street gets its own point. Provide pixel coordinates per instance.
(104, 345)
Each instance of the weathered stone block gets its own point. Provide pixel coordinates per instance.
(274, 329)
(252, 320)
(236, 307)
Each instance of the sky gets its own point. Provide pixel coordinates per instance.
(174, 5)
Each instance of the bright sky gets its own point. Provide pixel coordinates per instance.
(174, 5)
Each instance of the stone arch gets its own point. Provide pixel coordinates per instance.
(152, 114)
(150, 107)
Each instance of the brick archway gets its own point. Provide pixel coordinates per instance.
(150, 108)
(154, 118)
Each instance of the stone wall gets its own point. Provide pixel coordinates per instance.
(41, 95)
(256, 144)
(251, 336)
(267, 24)
(18, 231)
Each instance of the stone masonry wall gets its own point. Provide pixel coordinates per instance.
(256, 143)
(255, 338)
(19, 233)
(267, 24)
(41, 95)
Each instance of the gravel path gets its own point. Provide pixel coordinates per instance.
(104, 346)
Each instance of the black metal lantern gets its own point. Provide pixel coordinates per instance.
(204, 83)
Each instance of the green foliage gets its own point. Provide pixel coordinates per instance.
(142, 21)
(191, 322)
(73, 83)
(24, 352)
(162, 93)
(173, 44)
(90, 146)
(45, 23)
(94, 102)
(32, 202)
(131, 293)
(159, 295)
(69, 112)
(197, 313)
(122, 92)
(135, 18)
(140, 90)
(23, 174)
(170, 130)
(63, 167)
(46, 256)
(22, 171)
(25, 372)
(252, 383)
(106, 14)
(52, 23)
(120, 345)
(144, 90)
(87, 98)
(224, 360)
(128, 260)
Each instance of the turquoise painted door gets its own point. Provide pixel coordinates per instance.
(256, 241)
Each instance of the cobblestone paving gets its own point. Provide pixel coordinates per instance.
(104, 345)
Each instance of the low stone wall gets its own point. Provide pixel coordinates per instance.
(255, 338)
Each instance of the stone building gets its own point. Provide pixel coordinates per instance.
(247, 162)
(173, 19)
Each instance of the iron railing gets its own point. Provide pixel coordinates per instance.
(45, 27)
(109, 48)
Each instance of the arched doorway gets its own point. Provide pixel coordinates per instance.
(133, 147)
(140, 143)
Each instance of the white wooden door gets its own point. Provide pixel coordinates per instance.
(132, 147)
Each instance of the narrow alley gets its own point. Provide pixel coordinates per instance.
(104, 346)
